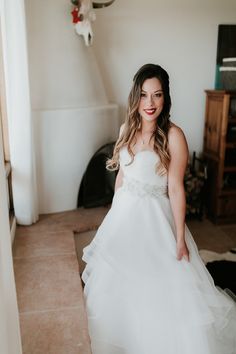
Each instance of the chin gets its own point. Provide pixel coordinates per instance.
(150, 119)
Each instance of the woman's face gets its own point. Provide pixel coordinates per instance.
(151, 100)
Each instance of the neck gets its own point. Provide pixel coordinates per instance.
(147, 127)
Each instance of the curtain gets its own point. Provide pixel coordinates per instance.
(21, 139)
(10, 340)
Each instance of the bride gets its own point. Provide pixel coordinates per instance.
(147, 290)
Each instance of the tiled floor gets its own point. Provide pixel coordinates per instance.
(49, 291)
(50, 300)
(218, 238)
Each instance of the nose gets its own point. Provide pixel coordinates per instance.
(150, 99)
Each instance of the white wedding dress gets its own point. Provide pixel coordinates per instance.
(139, 298)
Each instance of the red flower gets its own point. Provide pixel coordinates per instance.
(75, 15)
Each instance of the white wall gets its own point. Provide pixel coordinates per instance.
(179, 35)
(71, 112)
(63, 72)
(66, 141)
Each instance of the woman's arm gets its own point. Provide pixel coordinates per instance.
(119, 179)
(178, 150)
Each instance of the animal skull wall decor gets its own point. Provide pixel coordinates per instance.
(83, 15)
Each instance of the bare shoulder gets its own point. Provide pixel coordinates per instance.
(176, 137)
(121, 129)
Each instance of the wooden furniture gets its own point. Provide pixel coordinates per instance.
(220, 153)
(195, 186)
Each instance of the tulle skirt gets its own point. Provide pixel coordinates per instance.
(139, 298)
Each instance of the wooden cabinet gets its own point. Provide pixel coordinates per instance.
(220, 152)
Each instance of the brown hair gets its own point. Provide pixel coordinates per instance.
(133, 119)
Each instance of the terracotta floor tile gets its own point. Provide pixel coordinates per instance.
(35, 229)
(230, 230)
(210, 236)
(44, 244)
(54, 332)
(47, 282)
(79, 220)
(82, 239)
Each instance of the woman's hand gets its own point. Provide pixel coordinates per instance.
(182, 250)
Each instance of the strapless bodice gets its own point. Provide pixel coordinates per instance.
(143, 168)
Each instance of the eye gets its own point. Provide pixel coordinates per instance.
(158, 94)
(142, 94)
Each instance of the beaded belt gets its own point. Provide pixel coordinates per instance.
(143, 189)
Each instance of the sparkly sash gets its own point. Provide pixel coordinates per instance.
(143, 189)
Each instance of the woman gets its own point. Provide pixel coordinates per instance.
(147, 290)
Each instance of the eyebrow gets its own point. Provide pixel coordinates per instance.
(154, 91)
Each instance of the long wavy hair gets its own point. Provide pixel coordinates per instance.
(133, 120)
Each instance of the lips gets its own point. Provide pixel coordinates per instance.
(150, 111)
